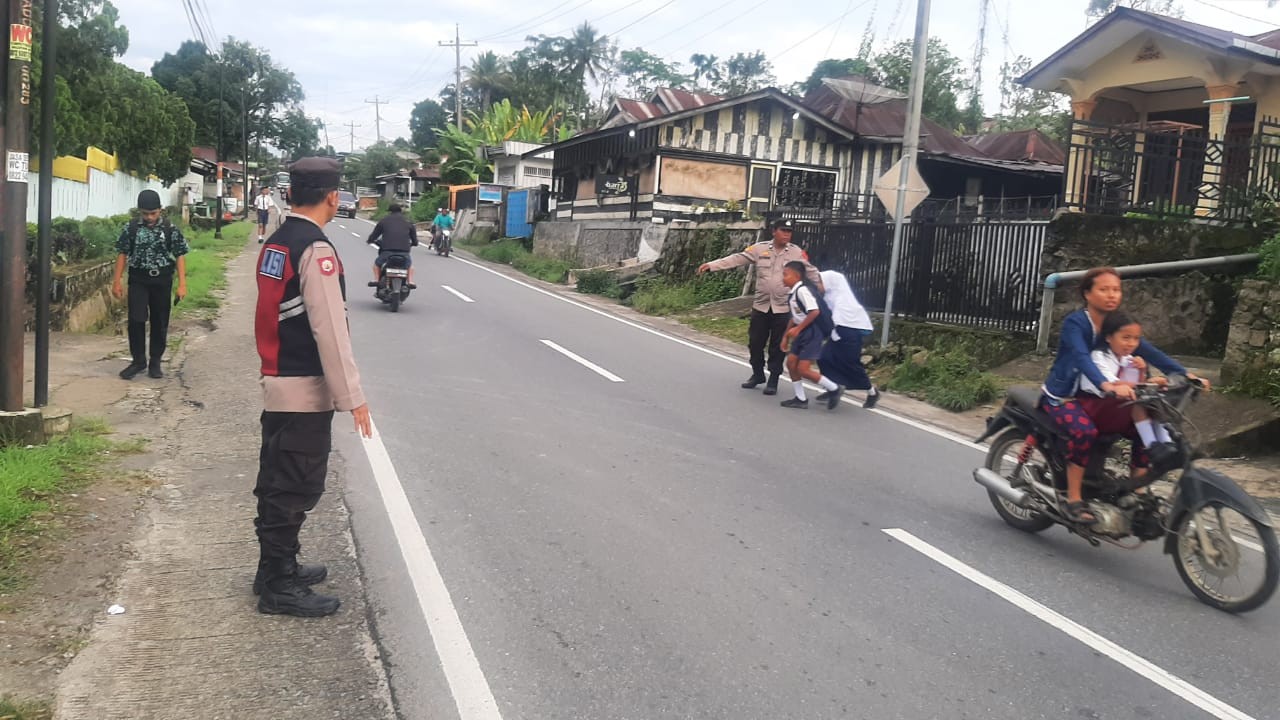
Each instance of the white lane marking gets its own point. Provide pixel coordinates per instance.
(467, 683)
(1134, 662)
(353, 232)
(457, 294)
(945, 434)
(584, 362)
(344, 227)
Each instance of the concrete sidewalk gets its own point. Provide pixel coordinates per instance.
(191, 643)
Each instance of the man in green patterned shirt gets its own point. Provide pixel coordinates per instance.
(152, 249)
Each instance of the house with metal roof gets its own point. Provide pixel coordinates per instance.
(1169, 116)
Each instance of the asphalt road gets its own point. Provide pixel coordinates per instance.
(642, 539)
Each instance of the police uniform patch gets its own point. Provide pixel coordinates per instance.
(272, 263)
(328, 266)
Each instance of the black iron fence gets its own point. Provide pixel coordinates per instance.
(970, 274)
(829, 206)
(1170, 170)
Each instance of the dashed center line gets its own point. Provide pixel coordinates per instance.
(584, 362)
(355, 233)
(457, 294)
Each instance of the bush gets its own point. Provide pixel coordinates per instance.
(1259, 382)
(599, 282)
(511, 251)
(1269, 255)
(949, 380)
(660, 296)
(424, 208)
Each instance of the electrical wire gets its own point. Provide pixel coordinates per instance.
(529, 28)
(1268, 23)
(673, 31)
(722, 26)
(808, 37)
(639, 19)
(523, 24)
(827, 52)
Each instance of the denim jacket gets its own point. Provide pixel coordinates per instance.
(1075, 345)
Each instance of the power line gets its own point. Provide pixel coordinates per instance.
(639, 19)
(805, 39)
(457, 46)
(836, 32)
(669, 33)
(352, 126)
(722, 26)
(525, 24)
(1239, 15)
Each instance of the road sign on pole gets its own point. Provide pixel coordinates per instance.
(886, 188)
(910, 147)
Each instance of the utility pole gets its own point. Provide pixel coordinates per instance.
(352, 126)
(324, 128)
(13, 228)
(910, 149)
(457, 46)
(377, 113)
(44, 205)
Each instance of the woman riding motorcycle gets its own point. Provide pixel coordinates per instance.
(1100, 288)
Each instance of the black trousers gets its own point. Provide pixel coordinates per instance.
(291, 472)
(767, 329)
(150, 298)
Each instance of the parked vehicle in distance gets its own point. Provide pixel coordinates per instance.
(347, 204)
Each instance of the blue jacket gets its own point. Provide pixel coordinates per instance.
(1074, 346)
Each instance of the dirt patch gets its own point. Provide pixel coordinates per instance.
(70, 566)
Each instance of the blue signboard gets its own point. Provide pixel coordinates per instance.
(491, 193)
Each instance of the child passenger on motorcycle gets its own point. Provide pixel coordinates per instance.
(1081, 335)
(1121, 336)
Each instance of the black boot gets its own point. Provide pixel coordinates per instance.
(756, 380)
(771, 387)
(307, 575)
(132, 371)
(283, 593)
(154, 370)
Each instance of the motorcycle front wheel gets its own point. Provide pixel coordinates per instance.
(1002, 459)
(1238, 549)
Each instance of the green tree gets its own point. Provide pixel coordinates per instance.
(705, 68)
(645, 72)
(297, 135)
(1024, 108)
(585, 56)
(377, 159)
(944, 81)
(744, 73)
(1098, 8)
(487, 76)
(423, 121)
(836, 68)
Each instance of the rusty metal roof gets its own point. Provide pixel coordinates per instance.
(1024, 145)
(886, 120)
(676, 100)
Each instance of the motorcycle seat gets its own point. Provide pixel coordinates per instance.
(1026, 398)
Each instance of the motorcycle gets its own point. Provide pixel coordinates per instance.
(393, 282)
(1212, 528)
(444, 243)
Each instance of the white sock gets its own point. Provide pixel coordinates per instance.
(827, 384)
(1162, 433)
(1146, 432)
(799, 386)
(873, 391)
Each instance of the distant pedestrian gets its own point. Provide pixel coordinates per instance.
(152, 250)
(264, 204)
(841, 358)
(806, 331)
(769, 311)
(308, 372)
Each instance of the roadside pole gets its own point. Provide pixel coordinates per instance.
(910, 149)
(13, 245)
(44, 215)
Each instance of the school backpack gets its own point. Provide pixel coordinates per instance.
(825, 322)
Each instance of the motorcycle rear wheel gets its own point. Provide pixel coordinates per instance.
(1199, 573)
(395, 302)
(1002, 459)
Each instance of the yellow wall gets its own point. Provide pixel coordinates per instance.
(1178, 61)
(69, 167)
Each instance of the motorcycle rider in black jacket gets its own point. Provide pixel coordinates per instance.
(394, 235)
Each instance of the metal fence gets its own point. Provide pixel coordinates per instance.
(980, 275)
(1170, 169)
(829, 206)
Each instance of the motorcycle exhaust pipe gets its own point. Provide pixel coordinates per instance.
(1000, 486)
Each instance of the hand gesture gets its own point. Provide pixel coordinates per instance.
(1139, 363)
(704, 267)
(364, 423)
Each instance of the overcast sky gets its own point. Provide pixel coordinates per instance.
(346, 52)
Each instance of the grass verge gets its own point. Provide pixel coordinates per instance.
(511, 251)
(730, 328)
(32, 479)
(12, 709)
(949, 380)
(207, 267)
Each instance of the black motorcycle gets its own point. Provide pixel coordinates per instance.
(1214, 530)
(393, 282)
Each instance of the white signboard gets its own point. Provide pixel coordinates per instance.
(886, 189)
(18, 166)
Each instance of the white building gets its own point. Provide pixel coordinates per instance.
(513, 170)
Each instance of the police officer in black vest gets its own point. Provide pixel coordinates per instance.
(308, 373)
(152, 250)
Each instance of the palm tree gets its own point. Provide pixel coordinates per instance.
(488, 76)
(705, 67)
(585, 54)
